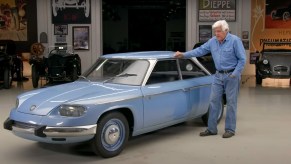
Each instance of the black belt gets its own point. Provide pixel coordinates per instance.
(225, 71)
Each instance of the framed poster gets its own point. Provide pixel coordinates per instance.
(245, 35)
(61, 29)
(205, 33)
(277, 14)
(71, 12)
(214, 10)
(81, 37)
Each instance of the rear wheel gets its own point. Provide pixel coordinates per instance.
(74, 73)
(7, 78)
(19, 73)
(34, 76)
(111, 136)
(206, 116)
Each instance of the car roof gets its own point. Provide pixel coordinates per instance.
(142, 55)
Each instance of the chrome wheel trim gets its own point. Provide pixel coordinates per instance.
(113, 134)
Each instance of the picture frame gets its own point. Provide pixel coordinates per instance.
(60, 29)
(245, 35)
(80, 37)
(205, 33)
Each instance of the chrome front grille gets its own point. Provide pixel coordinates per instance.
(24, 125)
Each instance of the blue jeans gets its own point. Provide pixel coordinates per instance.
(222, 83)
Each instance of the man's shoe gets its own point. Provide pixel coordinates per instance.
(227, 135)
(207, 133)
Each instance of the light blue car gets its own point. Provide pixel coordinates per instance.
(121, 95)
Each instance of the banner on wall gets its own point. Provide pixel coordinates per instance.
(71, 12)
(213, 10)
(268, 23)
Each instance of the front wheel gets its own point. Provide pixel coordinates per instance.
(111, 136)
(206, 116)
(259, 79)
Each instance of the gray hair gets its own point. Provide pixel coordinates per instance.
(221, 23)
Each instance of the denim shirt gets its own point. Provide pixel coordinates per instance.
(230, 54)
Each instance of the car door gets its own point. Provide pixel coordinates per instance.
(165, 100)
(198, 83)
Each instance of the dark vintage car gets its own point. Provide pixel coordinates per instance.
(274, 61)
(10, 64)
(281, 13)
(61, 65)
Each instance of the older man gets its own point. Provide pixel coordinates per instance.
(229, 58)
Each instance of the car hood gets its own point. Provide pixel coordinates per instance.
(42, 101)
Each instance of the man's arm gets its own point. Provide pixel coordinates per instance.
(241, 55)
(197, 52)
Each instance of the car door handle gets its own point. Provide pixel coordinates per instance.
(186, 89)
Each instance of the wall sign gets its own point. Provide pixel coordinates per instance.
(71, 12)
(214, 10)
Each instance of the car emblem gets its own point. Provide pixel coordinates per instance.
(32, 107)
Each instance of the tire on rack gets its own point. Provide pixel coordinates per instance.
(34, 76)
(111, 135)
(206, 116)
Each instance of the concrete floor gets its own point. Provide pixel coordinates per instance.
(263, 135)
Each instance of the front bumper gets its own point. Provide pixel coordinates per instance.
(50, 134)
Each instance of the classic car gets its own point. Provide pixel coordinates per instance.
(61, 65)
(10, 64)
(121, 95)
(274, 61)
(281, 13)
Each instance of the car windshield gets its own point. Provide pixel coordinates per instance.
(119, 71)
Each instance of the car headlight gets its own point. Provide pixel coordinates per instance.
(265, 61)
(72, 110)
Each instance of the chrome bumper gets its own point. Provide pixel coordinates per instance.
(47, 131)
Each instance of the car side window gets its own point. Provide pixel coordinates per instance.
(164, 71)
(190, 70)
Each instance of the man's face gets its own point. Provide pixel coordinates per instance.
(220, 35)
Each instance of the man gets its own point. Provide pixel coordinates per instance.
(229, 58)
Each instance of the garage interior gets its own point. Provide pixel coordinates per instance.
(263, 132)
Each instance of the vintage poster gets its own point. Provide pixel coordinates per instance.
(71, 12)
(13, 20)
(266, 29)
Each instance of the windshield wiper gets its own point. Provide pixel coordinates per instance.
(120, 75)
